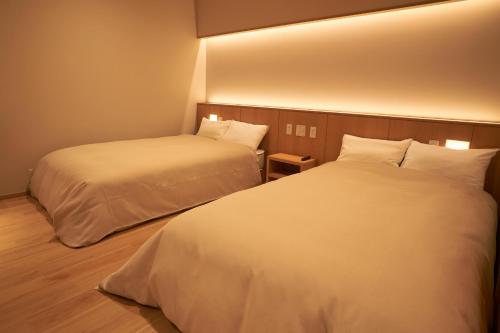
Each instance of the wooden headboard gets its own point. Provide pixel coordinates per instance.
(331, 126)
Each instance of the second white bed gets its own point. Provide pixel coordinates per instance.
(93, 190)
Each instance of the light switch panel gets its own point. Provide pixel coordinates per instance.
(289, 129)
(312, 132)
(300, 130)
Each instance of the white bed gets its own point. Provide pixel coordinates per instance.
(344, 247)
(93, 190)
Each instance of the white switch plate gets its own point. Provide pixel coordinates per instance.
(289, 129)
(300, 130)
(312, 132)
(434, 142)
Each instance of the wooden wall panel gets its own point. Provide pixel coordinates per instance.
(423, 130)
(292, 144)
(268, 117)
(442, 131)
(216, 17)
(485, 136)
(364, 126)
(403, 129)
(332, 126)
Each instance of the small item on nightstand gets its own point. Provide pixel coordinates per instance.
(305, 158)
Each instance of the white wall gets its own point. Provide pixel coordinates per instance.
(434, 61)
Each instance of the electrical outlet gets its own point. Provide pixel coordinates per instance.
(312, 132)
(289, 129)
(434, 142)
(300, 130)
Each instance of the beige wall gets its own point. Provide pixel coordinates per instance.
(215, 17)
(82, 71)
(435, 61)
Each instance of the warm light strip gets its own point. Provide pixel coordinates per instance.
(347, 17)
(361, 113)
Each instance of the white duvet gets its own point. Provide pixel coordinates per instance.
(93, 190)
(344, 247)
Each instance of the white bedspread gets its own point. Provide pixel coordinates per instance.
(93, 190)
(344, 247)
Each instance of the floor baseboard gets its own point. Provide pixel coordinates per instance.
(13, 195)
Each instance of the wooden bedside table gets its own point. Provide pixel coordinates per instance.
(281, 165)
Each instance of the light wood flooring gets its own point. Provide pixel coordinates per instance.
(48, 287)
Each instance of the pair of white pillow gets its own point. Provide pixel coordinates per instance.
(234, 131)
(468, 166)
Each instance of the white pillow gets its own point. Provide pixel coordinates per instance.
(246, 134)
(372, 150)
(467, 166)
(213, 129)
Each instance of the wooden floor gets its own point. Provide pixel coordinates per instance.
(48, 287)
